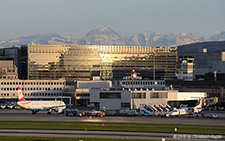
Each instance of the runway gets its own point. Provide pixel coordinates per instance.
(25, 115)
(12, 114)
(102, 134)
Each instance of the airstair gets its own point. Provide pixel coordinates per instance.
(165, 109)
(158, 108)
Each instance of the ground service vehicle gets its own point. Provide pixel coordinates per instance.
(72, 112)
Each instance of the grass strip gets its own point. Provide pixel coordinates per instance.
(110, 123)
(107, 126)
(17, 138)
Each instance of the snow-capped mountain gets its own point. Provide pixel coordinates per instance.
(104, 36)
(151, 39)
(107, 36)
(188, 38)
(44, 39)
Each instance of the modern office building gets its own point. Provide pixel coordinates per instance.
(9, 62)
(7, 69)
(81, 62)
(10, 53)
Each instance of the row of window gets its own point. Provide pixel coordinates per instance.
(122, 50)
(82, 94)
(159, 95)
(30, 89)
(32, 83)
(117, 95)
(125, 105)
(5, 70)
(111, 95)
(34, 94)
(45, 94)
(152, 95)
(8, 76)
(144, 83)
(6, 94)
(139, 95)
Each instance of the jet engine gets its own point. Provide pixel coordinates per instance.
(58, 110)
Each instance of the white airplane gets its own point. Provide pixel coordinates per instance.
(187, 111)
(182, 111)
(36, 106)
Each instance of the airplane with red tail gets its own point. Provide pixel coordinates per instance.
(36, 106)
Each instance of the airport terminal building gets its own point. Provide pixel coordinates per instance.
(81, 62)
(33, 90)
(106, 97)
(116, 99)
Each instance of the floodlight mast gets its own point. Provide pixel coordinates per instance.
(133, 75)
(154, 68)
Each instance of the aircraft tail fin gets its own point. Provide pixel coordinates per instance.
(20, 95)
(201, 102)
(198, 108)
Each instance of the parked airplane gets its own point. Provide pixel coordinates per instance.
(182, 111)
(187, 111)
(36, 106)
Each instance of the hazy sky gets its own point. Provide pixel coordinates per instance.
(127, 17)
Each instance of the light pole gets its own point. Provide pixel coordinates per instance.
(133, 74)
(154, 68)
(132, 91)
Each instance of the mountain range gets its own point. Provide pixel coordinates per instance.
(107, 36)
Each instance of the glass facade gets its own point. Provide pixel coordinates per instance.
(125, 105)
(159, 95)
(110, 95)
(139, 95)
(81, 62)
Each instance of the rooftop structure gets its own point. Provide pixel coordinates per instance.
(185, 69)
